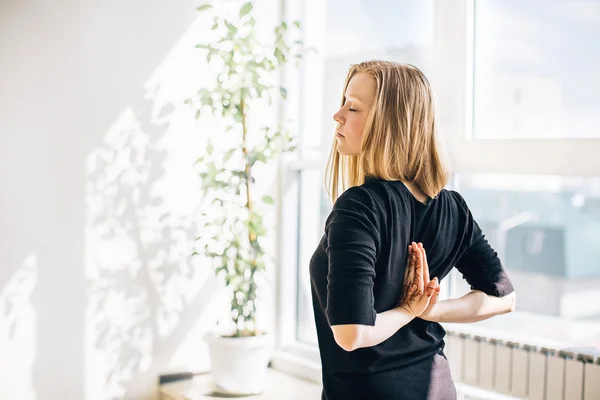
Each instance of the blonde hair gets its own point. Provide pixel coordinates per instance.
(399, 140)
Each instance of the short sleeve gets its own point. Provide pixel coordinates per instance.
(479, 264)
(352, 249)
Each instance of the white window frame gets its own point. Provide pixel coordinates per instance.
(291, 355)
(452, 83)
(454, 21)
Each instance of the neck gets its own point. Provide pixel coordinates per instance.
(416, 192)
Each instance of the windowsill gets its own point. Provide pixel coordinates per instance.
(297, 366)
(202, 387)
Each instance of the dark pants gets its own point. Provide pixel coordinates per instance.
(429, 379)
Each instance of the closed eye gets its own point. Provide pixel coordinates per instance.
(349, 109)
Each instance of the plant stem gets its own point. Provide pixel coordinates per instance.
(247, 169)
(249, 206)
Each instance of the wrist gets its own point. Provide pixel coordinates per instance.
(406, 311)
(434, 314)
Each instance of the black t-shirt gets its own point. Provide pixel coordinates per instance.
(357, 271)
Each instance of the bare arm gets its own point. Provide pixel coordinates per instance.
(476, 305)
(472, 307)
(352, 337)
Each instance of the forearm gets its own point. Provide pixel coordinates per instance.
(472, 307)
(386, 324)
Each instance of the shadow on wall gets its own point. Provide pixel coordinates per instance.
(96, 286)
(143, 286)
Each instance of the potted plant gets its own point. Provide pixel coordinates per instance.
(233, 232)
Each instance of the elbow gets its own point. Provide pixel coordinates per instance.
(348, 345)
(348, 337)
(513, 303)
(511, 300)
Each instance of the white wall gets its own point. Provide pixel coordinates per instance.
(97, 292)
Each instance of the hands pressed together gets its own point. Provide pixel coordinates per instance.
(420, 294)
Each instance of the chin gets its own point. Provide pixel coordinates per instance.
(342, 148)
(347, 153)
(342, 151)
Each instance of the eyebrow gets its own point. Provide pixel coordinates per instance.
(354, 98)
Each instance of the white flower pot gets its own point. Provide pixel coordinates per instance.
(239, 364)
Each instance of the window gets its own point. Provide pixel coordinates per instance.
(492, 113)
(535, 70)
(546, 230)
(515, 90)
(517, 112)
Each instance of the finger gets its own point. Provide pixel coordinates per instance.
(416, 253)
(408, 275)
(413, 250)
(414, 269)
(435, 297)
(408, 270)
(425, 264)
(436, 293)
(419, 272)
(430, 289)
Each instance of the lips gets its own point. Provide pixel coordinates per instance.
(339, 134)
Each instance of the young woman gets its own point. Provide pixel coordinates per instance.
(377, 318)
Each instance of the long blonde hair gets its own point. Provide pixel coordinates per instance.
(399, 140)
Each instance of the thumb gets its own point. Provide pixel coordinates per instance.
(436, 294)
(431, 287)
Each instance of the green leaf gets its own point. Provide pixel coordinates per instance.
(283, 92)
(279, 54)
(268, 199)
(209, 149)
(232, 28)
(188, 102)
(297, 23)
(229, 154)
(246, 8)
(238, 116)
(215, 26)
(197, 114)
(204, 7)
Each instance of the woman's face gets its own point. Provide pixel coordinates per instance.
(352, 117)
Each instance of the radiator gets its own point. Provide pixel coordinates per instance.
(522, 370)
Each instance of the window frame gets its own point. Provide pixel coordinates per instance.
(454, 50)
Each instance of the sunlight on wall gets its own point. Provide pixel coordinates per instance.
(150, 302)
(141, 191)
(17, 327)
(103, 195)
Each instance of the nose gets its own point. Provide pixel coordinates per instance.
(339, 118)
